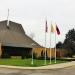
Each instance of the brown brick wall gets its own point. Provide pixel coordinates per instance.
(39, 50)
(60, 52)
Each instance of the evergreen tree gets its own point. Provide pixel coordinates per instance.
(69, 42)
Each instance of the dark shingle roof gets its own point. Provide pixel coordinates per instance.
(15, 35)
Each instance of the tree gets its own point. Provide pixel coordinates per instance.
(69, 42)
(59, 45)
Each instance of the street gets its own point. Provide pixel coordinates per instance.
(64, 71)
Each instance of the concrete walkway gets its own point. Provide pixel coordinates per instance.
(54, 66)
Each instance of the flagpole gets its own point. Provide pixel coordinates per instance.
(45, 40)
(45, 48)
(55, 46)
(32, 57)
(50, 42)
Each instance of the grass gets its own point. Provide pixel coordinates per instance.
(26, 62)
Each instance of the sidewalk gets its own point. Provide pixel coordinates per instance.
(55, 66)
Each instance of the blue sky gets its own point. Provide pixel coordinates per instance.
(32, 14)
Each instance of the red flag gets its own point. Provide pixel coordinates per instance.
(46, 28)
(57, 29)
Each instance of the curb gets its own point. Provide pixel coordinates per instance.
(54, 66)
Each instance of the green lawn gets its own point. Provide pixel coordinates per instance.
(26, 62)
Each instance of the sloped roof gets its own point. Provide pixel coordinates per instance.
(15, 35)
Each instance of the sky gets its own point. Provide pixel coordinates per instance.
(32, 14)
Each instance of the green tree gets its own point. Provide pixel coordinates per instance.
(69, 42)
(59, 45)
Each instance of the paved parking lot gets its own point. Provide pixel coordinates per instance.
(64, 71)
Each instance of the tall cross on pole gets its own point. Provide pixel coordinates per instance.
(8, 19)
